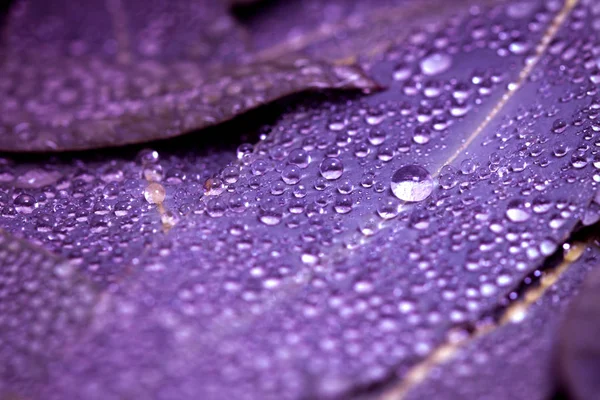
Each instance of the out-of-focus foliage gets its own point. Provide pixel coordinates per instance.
(108, 73)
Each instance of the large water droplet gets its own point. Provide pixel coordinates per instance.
(412, 183)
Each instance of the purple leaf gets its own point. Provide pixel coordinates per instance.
(511, 355)
(578, 357)
(44, 305)
(111, 73)
(355, 235)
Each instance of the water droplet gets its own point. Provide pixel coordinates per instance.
(517, 211)
(518, 47)
(154, 193)
(448, 178)
(559, 126)
(368, 227)
(468, 166)
(421, 135)
(153, 173)
(331, 168)
(24, 203)
(401, 73)
(270, 215)
(345, 187)
(299, 157)
(363, 287)
(244, 149)
(388, 208)
(343, 204)
(216, 207)
(376, 137)
(291, 174)
(412, 183)
(169, 219)
(547, 247)
(148, 156)
(435, 63)
(230, 174)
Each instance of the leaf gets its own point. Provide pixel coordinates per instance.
(44, 304)
(298, 270)
(578, 350)
(511, 354)
(113, 73)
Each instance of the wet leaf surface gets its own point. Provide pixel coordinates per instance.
(111, 73)
(44, 305)
(513, 356)
(351, 236)
(577, 356)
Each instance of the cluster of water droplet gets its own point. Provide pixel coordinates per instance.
(355, 233)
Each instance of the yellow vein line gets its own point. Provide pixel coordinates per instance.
(299, 279)
(513, 314)
(540, 49)
(446, 351)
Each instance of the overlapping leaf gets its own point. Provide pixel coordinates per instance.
(299, 273)
(111, 73)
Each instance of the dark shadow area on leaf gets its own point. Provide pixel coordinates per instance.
(5, 6)
(246, 11)
(559, 395)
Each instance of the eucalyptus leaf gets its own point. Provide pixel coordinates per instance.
(515, 357)
(578, 349)
(353, 236)
(44, 305)
(109, 73)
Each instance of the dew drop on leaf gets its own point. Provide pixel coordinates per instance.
(517, 211)
(412, 183)
(154, 193)
(436, 63)
(331, 168)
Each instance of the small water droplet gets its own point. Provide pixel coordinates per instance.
(154, 193)
(299, 157)
(421, 135)
(153, 173)
(343, 204)
(435, 63)
(331, 168)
